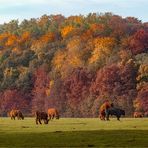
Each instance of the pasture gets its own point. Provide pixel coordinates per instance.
(74, 132)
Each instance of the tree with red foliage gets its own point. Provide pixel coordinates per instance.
(77, 89)
(141, 102)
(14, 99)
(41, 84)
(118, 84)
(139, 42)
(57, 97)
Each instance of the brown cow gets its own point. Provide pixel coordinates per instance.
(103, 110)
(138, 115)
(53, 113)
(16, 113)
(102, 115)
(41, 116)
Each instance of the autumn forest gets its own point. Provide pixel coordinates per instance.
(74, 64)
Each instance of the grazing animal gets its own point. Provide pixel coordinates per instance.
(138, 115)
(16, 113)
(116, 111)
(53, 113)
(20, 115)
(41, 116)
(103, 110)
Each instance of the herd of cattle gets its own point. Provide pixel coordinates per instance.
(40, 116)
(53, 113)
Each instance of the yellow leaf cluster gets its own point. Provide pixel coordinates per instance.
(23, 69)
(47, 37)
(74, 52)
(137, 104)
(49, 88)
(16, 50)
(141, 85)
(12, 39)
(143, 71)
(25, 36)
(74, 61)
(59, 59)
(9, 72)
(66, 30)
(103, 48)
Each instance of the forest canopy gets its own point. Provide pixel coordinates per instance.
(74, 64)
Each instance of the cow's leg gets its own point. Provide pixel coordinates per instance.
(102, 117)
(107, 117)
(107, 114)
(36, 121)
(118, 118)
(40, 121)
(49, 116)
(45, 121)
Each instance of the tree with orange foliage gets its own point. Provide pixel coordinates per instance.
(12, 40)
(66, 31)
(104, 47)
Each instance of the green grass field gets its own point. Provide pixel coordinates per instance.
(74, 132)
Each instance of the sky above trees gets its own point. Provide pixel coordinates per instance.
(20, 9)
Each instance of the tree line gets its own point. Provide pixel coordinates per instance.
(74, 64)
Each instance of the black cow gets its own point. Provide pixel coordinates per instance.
(41, 116)
(116, 111)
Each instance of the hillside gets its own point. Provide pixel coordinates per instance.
(74, 64)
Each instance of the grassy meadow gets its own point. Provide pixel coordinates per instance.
(74, 132)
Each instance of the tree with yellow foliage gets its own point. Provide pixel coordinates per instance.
(104, 47)
(66, 31)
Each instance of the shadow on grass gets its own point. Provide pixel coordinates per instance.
(102, 138)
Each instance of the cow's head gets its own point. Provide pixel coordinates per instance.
(22, 117)
(123, 112)
(57, 117)
(46, 121)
